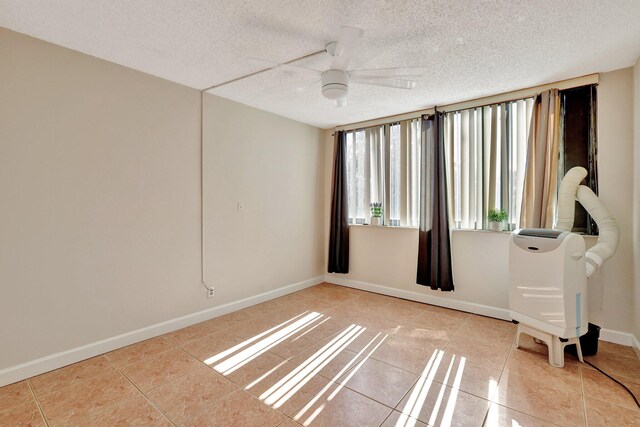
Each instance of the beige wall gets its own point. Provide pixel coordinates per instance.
(274, 168)
(615, 180)
(100, 200)
(387, 257)
(636, 194)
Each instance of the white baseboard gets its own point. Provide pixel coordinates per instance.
(617, 337)
(636, 346)
(608, 335)
(484, 310)
(58, 360)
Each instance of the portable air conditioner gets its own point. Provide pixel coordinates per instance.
(548, 287)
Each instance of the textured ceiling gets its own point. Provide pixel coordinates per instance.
(469, 48)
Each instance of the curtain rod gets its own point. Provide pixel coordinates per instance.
(477, 102)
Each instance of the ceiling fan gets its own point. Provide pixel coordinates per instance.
(335, 81)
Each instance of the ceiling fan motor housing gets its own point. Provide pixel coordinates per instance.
(335, 84)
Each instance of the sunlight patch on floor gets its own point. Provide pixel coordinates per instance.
(296, 379)
(247, 355)
(215, 358)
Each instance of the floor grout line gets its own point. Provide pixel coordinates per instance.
(583, 397)
(33, 394)
(145, 396)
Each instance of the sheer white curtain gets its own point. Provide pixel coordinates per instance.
(410, 146)
(383, 165)
(365, 172)
(485, 154)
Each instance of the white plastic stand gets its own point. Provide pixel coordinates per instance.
(555, 346)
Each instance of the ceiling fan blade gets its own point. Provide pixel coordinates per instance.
(341, 102)
(384, 81)
(400, 72)
(345, 47)
(286, 67)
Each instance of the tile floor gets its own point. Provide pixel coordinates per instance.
(331, 356)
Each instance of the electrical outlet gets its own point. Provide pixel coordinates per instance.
(210, 292)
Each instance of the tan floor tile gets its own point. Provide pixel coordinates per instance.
(294, 345)
(64, 377)
(212, 348)
(244, 371)
(233, 318)
(379, 381)
(260, 310)
(598, 386)
(370, 300)
(79, 400)
(327, 360)
(329, 326)
(15, 394)
(489, 354)
(488, 329)
(535, 365)
(331, 294)
(499, 416)
(404, 355)
(422, 336)
(339, 406)
(288, 423)
(298, 299)
(221, 323)
(25, 414)
(538, 398)
(376, 323)
(349, 312)
(136, 411)
(190, 333)
(401, 311)
(288, 387)
(236, 409)
(617, 364)
(190, 397)
(610, 349)
(455, 372)
(437, 404)
(368, 340)
(441, 319)
(600, 413)
(157, 370)
(136, 352)
(397, 340)
(263, 326)
(398, 419)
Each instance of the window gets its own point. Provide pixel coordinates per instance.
(578, 144)
(383, 166)
(485, 152)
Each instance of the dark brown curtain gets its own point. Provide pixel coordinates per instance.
(339, 232)
(434, 247)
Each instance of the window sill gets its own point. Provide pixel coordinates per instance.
(459, 230)
(399, 227)
(453, 230)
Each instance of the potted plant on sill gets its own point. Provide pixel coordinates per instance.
(376, 213)
(497, 219)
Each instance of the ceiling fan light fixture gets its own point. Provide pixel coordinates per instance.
(335, 84)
